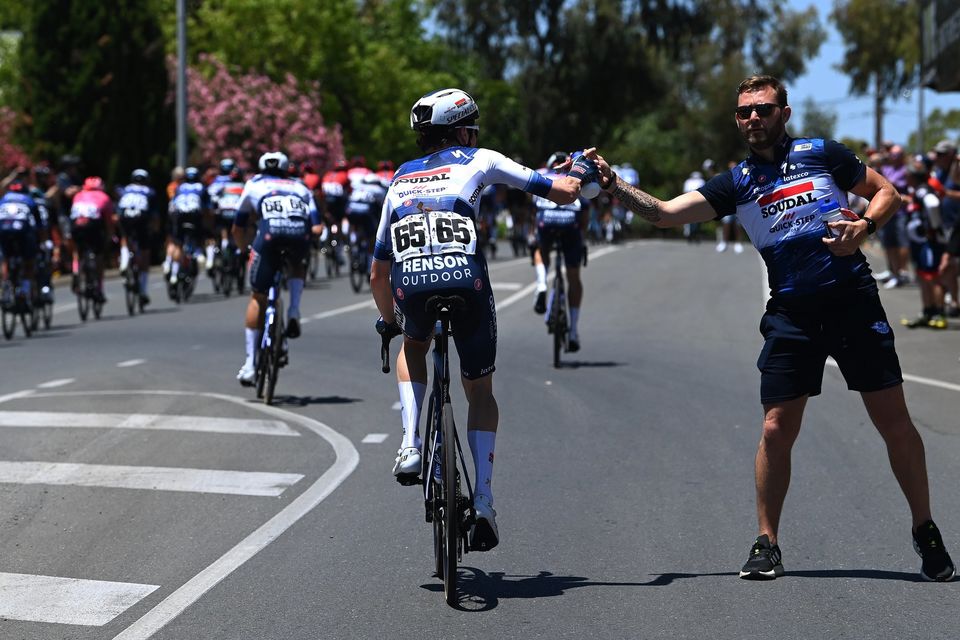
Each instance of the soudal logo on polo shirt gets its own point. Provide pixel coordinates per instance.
(780, 200)
(421, 177)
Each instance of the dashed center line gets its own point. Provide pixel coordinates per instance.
(374, 438)
(131, 363)
(53, 384)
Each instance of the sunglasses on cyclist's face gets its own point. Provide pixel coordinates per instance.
(472, 127)
(763, 110)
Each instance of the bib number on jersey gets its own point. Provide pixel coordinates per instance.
(439, 233)
(276, 207)
(188, 203)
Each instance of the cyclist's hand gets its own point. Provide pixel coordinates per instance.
(388, 329)
(851, 235)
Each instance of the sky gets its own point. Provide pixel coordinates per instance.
(855, 117)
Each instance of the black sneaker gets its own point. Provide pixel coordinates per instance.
(293, 328)
(540, 306)
(764, 562)
(937, 565)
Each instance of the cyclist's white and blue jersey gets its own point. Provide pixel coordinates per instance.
(778, 205)
(448, 182)
(215, 188)
(137, 202)
(366, 202)
(190, 198)
(19, 222)
(283, 206)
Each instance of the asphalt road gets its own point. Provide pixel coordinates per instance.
(143, 493)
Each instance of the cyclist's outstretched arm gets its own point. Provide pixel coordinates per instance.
(684, 209)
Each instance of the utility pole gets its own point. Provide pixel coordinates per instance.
(181, 83)
(878, 117)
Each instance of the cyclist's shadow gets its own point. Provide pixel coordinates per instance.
(481, 591)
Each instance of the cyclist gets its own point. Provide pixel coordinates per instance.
(427, 244)
(188, 208)
(363, 207)
(563, 223)
(20, 224)
(385, 170)
(91, 224)
(358, 170)
(137, 212)
(44, 266)
(336, 191)
(221, 224)
(286, 214)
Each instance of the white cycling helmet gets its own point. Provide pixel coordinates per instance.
(275, 162)
(445, 108)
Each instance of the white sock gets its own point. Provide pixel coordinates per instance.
(167, 262)
(224, 243)
(574, 316)
(481, 446)
(174, 270)
(210, 254)
(296, 291)
(411, 400)
(124, 258)
(250, 343)
(541, 277)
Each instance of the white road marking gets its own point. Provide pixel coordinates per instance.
(66, 600)
(56, 383)
(396, 406)
(17, 394)
(374, 438)
(368, 304)
(131, 363)
(173, 605)
(240, 483)
(506, 286)
(147, 421)
(519, 295)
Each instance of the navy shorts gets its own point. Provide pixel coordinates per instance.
(88, 234)
(19, 242)
(571, 242)
(267, 254)
(474, 329)
(799, 335)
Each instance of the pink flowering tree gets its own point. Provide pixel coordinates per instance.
(11, 155)
(242, 115)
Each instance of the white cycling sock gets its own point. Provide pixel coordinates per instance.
(296, 291)
(574, 316)
(411, 400)
(224, 243)
(175, 269)
(167, 262)
(251, 343)
(481, 446)
(124, 258)
(210, 255)
(541, 277)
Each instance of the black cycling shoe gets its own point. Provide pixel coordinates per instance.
(144, 299)
(573, 345)
(293, 328)
(764, 562)
(540, 306)
(937, 565)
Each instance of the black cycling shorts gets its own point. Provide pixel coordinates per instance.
(88, 234)
(571, 243)
(798, 336)
(266, 256)
(474, 329)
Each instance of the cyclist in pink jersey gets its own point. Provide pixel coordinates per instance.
(91, 225)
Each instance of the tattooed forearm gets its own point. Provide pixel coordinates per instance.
(642, 204)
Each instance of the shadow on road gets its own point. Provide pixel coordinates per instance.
(303, 401)
(577, 364)
(869, 574)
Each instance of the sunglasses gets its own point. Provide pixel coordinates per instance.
(763, 110)
(472, 127)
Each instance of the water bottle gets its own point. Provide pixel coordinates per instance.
(830, 212)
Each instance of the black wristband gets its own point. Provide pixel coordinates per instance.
(609, 184)
(871, 226)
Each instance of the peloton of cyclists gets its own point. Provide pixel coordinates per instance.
(91, 226)
(138, 214)
(431, 211)
(285, 214)
(188, 208)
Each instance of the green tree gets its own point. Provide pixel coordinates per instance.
(818, 122)
(882, 48)
(96, 85)
(937, 126)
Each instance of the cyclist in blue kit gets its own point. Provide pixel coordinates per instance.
(824, 301)
(427, 245)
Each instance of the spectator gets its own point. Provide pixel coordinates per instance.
(893, 235)
(946, 169)
(925, 232)
(695, 181)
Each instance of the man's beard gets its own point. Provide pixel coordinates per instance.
(762, 139)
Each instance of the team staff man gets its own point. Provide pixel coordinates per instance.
(823, 302)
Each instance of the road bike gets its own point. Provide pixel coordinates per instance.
(87, 287)
(45, 300)
(359, 264)
(271, 353)
(14, 304)
(182, 288)
(558, 323)
(443, 472)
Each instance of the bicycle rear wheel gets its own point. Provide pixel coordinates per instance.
(9, 323)
(276, 347)
(263, 364)
(47, 313)
(130, 294)
(451, 515)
